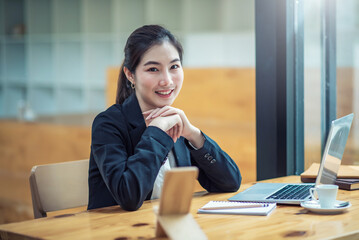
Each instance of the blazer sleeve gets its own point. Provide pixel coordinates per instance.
(217, 171)
(129, 178)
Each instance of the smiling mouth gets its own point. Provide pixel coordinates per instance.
(164, 93)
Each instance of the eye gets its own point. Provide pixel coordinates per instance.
(175, 66)
(152, 69)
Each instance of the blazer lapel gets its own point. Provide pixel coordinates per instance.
(133, 114)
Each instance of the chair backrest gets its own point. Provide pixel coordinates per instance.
(59, 186)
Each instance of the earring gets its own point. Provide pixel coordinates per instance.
(132, 85)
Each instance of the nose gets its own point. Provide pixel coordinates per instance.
(166, 79)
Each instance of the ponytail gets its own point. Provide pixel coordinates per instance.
(124, 89)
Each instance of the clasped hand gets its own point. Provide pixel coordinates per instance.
(171, 120)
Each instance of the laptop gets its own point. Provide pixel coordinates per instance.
(295, 193)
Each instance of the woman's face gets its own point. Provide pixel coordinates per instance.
(158, 77)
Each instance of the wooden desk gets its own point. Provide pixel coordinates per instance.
(286, 222)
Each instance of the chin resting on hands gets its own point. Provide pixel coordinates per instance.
(187, 130)
(172, 125)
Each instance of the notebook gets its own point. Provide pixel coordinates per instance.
(241, 208)
(348, 184)
(287, 193)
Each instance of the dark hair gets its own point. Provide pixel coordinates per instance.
(137, 44)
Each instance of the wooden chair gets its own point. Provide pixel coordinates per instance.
(59, 186)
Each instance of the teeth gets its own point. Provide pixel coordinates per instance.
(165, 93)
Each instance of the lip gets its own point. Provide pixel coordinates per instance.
(164, 93)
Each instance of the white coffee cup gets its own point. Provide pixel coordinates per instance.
(327, 195)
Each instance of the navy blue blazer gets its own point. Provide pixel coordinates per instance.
(126, 157)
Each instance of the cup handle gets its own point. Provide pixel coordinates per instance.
(311, 191)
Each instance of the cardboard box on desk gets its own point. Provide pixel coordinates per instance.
(348, 176)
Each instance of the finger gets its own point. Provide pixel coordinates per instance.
(171, 134)
(152, 113)
(177, 126)
(148, 111)
(173, 121)
(172, 111)
(180, 129)
(161, 111)
(186, 125)
(145, 114)
(167, 112)
(147, 122)
(174, 131)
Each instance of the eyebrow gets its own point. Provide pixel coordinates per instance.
(157, 63)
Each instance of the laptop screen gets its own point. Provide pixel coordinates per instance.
(334, 150)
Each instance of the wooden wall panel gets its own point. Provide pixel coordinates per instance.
(23, 145)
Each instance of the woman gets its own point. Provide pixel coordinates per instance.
(141, 136)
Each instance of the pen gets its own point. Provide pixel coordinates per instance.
(251, 205)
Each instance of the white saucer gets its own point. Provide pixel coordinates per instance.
(315, 207)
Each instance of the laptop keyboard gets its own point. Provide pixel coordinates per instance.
(292, 191)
